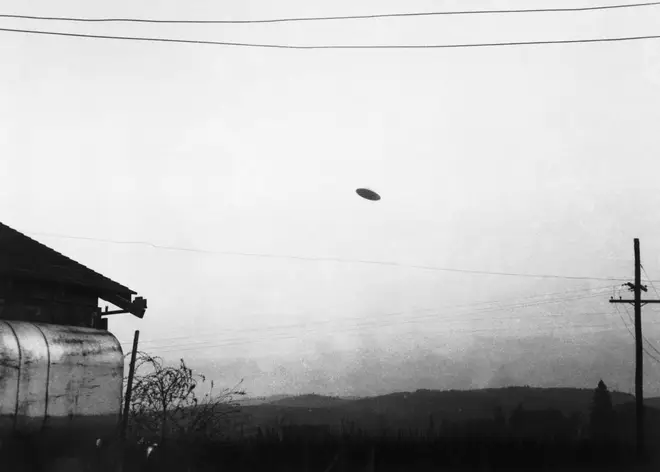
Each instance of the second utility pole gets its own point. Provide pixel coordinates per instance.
(639, 349)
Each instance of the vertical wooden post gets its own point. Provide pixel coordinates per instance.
(129, 386)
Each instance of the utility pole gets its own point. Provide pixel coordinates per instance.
(123, 425)
(129, 386)
(637, 302)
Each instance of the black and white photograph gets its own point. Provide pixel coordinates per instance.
(294, 236)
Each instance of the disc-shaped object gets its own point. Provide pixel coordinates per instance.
(368, 194)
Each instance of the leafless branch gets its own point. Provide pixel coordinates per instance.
(165, 400)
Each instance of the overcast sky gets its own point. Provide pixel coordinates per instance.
(534, 159)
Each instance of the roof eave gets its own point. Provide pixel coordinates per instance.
(27, 275)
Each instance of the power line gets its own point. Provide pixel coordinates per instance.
(380, 321)
(375, 322)
(648, 279)
(353, 329)
(644, 338)
(333, 18)
(624, 321)
(658, 295)
(284, 336)
(494, 307)
(330, 259)
(633, 334)
(348, 46)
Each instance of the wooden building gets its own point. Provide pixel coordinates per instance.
(38, 284)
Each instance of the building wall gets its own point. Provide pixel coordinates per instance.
(46, 303)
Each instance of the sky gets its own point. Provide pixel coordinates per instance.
(528, 160)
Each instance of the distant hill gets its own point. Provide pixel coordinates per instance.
(566, 400)
(373, 369)
(459, 404)
(413, 409)
(351, 398)
(261, 400)
(302, 401)
(310, 401)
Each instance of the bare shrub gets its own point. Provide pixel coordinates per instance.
(165, 404)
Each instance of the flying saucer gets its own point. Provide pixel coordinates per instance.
(368, 194)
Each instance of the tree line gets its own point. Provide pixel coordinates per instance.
(198, 428)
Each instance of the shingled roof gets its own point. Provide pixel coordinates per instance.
(23, 257)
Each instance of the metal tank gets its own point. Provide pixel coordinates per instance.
(59, 381)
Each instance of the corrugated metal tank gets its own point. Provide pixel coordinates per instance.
(59, 380)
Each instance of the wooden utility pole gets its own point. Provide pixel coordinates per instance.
(129, 385)
(637, 302)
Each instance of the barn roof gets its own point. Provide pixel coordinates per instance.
(25, 258)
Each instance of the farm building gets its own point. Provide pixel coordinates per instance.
(61, 370)
(38, 284)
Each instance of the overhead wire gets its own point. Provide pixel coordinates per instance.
(633, 334)
(354, 329)
(648, 279)
(391, 319)
(329, 46)
(328, 259)
(644, 338)
(624, 322)
(284, 336)
(496, 305)
(335, 18)
(381, 317)
(376, 322)
(380, 322)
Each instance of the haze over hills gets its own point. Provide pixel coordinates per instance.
(457, 403)
(538, 361)
(417, 410)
